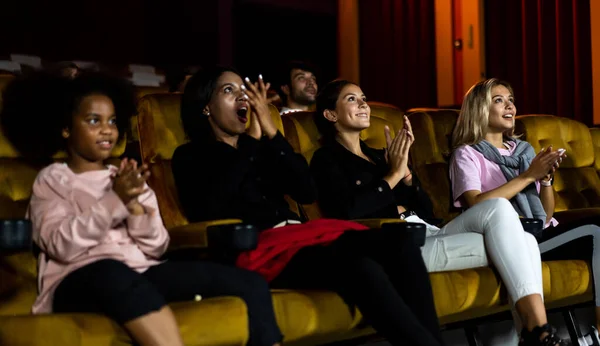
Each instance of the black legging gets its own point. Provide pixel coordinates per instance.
(575, 240)
(112, 288)
(382, 273)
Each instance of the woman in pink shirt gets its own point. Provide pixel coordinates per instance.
(490, 162)
(98, 226)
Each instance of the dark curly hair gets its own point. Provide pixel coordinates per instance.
(38, 106)
(197, 94)
(327, 99)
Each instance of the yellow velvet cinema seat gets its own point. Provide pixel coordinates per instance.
(305, 317)
(140, 92)
(576, 182)
(387, 112)
(133, 144)
(303, 135)
(18, 287)
(565, 282)
(430, 154)
(595, 132)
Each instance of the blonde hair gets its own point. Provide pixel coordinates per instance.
(472, 124)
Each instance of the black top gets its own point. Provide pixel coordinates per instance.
(217, 181)
(351, 187)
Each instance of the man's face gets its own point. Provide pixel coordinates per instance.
(303, 87)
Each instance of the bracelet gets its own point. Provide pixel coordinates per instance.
(408, 175)
(546, 183)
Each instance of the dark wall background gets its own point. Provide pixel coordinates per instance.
(288, 34)
(246, 33)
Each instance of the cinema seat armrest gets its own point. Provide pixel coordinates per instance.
(15, 235)
(377, 223)
(195, 235)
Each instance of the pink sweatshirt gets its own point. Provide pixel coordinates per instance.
(78, 219)
(470, 170)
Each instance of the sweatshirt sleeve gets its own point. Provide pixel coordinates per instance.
(465, 174)
(148, 230)
(293, 173)
(60, 229)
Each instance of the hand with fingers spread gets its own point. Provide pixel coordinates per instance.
(544, 164)
(256, 94)
(128, 183)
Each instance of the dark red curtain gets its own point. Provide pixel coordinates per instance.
(543, 48)
(397, 52)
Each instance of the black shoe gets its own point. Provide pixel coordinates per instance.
(532, 338)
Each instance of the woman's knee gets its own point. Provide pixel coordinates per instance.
(498, 212)
(499, 204)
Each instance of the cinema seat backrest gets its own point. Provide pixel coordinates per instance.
(576, 182)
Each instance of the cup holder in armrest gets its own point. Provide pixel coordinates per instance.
(15, 235)
(533, 226)
(233, 237)
(416, 232)
(226, 242)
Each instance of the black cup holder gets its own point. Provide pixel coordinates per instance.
(226, 242)
(416, 232)
(15, 235)
(533, 226)
(235, 237)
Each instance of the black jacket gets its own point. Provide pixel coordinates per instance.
(216, 181)
(351, 187)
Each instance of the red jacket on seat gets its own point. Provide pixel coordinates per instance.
(277, 246)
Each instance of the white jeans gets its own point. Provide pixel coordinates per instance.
(492, 225)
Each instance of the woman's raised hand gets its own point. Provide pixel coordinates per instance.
(256, 94)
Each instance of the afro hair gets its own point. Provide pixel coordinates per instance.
(38, 106)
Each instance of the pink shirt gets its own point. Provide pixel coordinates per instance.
(78, 219)
(470, 170)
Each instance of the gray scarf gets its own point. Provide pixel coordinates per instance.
(527, 202)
